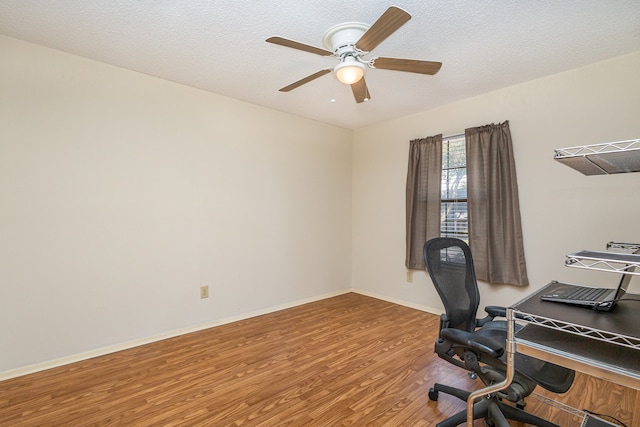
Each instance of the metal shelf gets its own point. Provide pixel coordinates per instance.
(581, 330)
(603, 344)
(602, 159)
(613, 262)
(628, 248)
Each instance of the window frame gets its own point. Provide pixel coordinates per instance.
(449, 199)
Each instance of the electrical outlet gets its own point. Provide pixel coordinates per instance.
(409, 276)
(204, 291)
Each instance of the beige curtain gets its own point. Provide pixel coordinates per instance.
(495, 231)
(423, 197)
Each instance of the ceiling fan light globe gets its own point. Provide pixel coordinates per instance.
(349, 72)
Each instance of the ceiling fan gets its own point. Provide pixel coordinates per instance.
(350, 43)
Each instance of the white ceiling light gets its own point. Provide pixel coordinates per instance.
(349, 71)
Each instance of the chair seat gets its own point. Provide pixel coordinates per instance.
(552, 377)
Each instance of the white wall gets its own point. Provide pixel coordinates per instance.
(562, 210)
(122, 194)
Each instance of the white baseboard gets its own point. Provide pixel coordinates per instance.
(148, 340)
(409, 304)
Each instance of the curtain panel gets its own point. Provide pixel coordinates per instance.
(423, 197)
(495, 230)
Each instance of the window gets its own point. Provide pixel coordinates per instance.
(453, 206)
(443, 175)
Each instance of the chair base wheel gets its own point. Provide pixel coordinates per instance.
(433, 394)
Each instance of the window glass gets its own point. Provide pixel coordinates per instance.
(453, 214)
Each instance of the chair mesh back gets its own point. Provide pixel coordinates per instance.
(450, 266)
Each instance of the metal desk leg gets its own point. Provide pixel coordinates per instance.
(511, 354)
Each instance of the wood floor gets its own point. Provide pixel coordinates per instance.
(348, 360)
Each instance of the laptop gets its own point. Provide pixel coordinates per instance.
(602, 299)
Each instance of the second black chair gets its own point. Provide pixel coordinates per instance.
(477, 345)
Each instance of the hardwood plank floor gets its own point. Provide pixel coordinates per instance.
(348, 360)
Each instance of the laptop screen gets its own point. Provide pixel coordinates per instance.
(624, 282)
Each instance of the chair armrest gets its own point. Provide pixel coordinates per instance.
(473, 341)
(493, 311)
(496, 311)
(444, 321)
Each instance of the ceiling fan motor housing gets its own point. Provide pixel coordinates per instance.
(341, 38)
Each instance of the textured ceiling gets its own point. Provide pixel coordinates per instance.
(219, 45)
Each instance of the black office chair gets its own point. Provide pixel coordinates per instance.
(477, 345)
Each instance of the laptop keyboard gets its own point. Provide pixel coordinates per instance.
(586, 294)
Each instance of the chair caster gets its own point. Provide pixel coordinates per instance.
(433, 394)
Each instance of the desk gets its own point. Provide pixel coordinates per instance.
(602, 344)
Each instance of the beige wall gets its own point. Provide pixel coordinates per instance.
(562, 210)
(122, 194)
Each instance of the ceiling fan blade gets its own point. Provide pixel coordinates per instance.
(360, 91)
(297, 45)
(408, 65)
(392, 19)
(305, 80)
